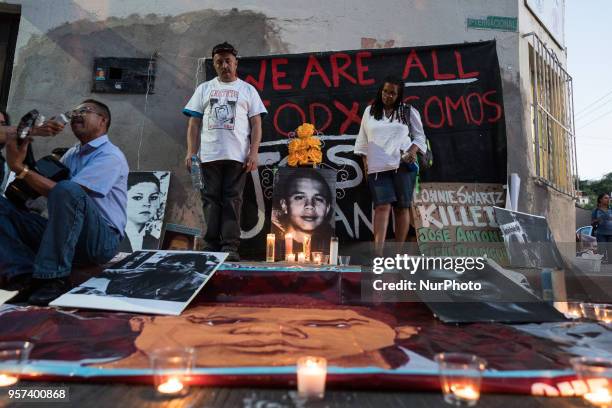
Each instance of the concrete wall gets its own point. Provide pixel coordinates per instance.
(57, 44)
(537, 198)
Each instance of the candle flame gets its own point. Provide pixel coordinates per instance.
(7, 380)
(172, 386)
(466, 392)
(600, 397)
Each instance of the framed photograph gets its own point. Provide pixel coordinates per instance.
(180, 238)
(146, 205)
(303, 203)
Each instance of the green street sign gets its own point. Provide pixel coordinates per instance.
(493, 23)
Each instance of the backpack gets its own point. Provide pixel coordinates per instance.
(425, 159)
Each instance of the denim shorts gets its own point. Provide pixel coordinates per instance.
(393, 187)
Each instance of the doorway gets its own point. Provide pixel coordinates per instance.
(9, 27)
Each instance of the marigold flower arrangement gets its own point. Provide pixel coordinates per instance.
(305, 149)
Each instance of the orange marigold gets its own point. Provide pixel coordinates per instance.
(313, 142)
(315, 156)
(295, 145)
(293, 160)
(305, 130)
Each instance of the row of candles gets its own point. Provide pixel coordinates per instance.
(460, 374)
(306, 255)
(592, 311)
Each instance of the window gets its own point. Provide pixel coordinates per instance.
(552, 117)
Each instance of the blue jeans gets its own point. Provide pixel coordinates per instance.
(75, 232)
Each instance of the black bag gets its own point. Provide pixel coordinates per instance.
(425, 159)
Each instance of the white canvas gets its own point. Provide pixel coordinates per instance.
(157, 282)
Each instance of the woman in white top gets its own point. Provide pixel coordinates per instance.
(390, 157)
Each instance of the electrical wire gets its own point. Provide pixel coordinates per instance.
(580, 112)
(146, 104)
(595, 120)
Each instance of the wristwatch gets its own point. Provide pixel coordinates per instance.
(23, 173)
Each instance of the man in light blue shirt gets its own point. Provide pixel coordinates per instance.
(87, 214)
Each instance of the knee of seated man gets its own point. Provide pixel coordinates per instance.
(65, 189)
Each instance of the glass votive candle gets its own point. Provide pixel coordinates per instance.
(344, 260)
(13, 356)
(596, 373)
(311, 375)
(288, 243)
(270, 244)
(317, 257)
(574, 310)
(172, 370)
(290, 258)
(306, 243)
(604, 314)
(460, 377)
(589, 310)
(301, 257)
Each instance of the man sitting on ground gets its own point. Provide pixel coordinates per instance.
(87, 214)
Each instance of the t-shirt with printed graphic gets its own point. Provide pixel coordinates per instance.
(225, 109)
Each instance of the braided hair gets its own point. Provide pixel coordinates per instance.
(377, 108)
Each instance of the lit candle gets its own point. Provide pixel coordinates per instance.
(333, 251)
(288, 243)
(311, 373)
(317, 257)
(573, 314)
(604, 314)
(172, 386)
(6, 380)
(301, 257)
(290, 257)
(306, 248)
(599, 398)
(465, 392)
(270, 242)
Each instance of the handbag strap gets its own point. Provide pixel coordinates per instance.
(405, 115)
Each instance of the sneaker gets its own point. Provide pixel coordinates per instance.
(22, 284)
(48, 290)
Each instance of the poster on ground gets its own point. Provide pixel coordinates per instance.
(157, 282)
(528, 239)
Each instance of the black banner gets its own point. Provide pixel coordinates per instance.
(456, 88)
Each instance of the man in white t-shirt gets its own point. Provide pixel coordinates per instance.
(229, 112)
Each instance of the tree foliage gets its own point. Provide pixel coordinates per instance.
(592, 188)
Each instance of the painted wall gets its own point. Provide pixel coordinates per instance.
(57, 44)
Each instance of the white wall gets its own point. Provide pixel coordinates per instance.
(136, 28)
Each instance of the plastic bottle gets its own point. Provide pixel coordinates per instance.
(196, 173)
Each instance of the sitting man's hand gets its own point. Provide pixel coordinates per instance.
(15, 155)
(7, 132)
(49, 128)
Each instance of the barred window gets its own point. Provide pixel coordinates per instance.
(552, 114)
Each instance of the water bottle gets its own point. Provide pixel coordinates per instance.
(196, 173)
(547, 285)
(411, 166)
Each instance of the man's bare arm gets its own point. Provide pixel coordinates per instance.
(193, 140)
(252, 159)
